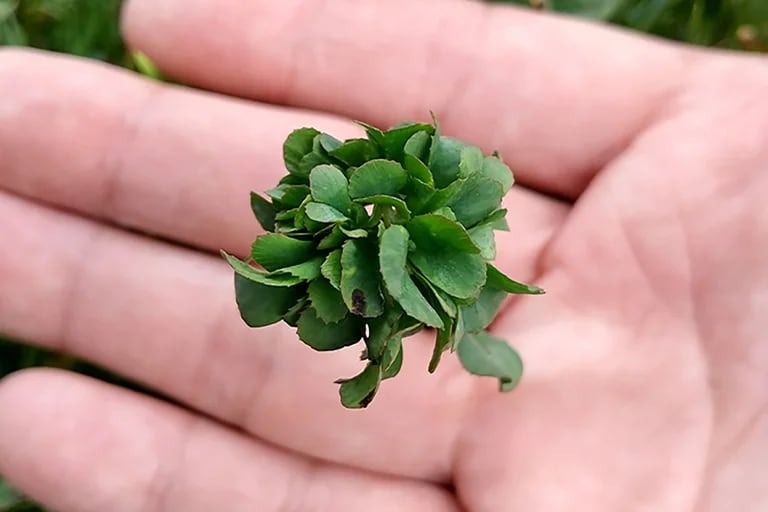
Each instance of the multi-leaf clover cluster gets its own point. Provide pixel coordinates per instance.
(374, 239)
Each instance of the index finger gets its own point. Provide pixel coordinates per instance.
(558, 98)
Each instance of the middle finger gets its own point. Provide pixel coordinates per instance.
(171, 161)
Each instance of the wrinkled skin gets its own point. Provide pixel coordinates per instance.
(640, 206)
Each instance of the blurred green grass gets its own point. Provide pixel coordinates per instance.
(90, 28)
(733, 24)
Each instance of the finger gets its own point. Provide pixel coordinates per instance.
(529, 85)
(111, 449)
(164, 160)
(167, 160)
(166, 317)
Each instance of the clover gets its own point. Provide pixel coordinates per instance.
(373, 239)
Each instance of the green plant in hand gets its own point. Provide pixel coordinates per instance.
(377, 238)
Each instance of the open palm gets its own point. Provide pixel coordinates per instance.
(642, 176)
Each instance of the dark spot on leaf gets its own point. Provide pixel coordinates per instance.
(358, 302)
(368, 399)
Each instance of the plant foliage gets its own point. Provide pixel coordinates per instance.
(374, 239)
(735, 24)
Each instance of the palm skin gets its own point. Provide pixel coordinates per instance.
(646, 383)
(646, 362)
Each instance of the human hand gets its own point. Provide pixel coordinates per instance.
(646, 363)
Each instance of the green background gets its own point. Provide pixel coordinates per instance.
(90, 28)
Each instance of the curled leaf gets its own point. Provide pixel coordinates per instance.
(331, 268)
(355, 152)
(502, 282)
(325, 336)
(257, 276)
(297, 146)
(398, 206)
(264, 211)
(275, 250)
(358, 392)
(261, 305)
(394, 140)
(392, 360)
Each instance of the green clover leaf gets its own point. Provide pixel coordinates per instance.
(483, 354)
(393, 255)
(329, 186)
(360, 278)
(377, 177)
